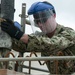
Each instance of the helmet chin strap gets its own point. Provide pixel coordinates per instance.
(50, 34)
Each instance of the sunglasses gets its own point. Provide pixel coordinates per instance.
(43, 20)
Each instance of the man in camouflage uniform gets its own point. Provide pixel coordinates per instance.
(57, 40)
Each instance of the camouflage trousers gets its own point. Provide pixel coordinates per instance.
(5, 65)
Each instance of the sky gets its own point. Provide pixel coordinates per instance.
(65, 11)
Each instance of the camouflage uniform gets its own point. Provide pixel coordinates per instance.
(61, 44)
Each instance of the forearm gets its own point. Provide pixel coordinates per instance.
(18, 45)
(24, 38)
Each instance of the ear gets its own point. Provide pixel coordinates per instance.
(54, 15)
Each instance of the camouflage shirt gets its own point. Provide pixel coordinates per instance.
(63, 40)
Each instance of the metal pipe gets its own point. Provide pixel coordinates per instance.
(28, 22)
(39, 58)
(23, 22)
(7, 9)
(34, 68)
(7, 12)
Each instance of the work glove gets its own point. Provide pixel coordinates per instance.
(9, 27)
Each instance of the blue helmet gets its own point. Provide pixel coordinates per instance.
(40, 6)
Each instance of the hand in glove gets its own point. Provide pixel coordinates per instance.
(9, 27)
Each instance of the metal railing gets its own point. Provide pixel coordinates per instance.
(39, 58)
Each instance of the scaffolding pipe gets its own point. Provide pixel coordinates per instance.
(34, 68)
(39, 58)
(7, 9)
(23, 22)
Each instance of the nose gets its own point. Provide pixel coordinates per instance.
(40, 25)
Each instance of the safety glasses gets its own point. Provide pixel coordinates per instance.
(42, 16)
(41, 20)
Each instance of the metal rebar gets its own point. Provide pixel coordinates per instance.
(39, 58)
(34, 68)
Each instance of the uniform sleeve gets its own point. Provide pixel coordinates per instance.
(18, 45)
(45, 44)
(60, 41)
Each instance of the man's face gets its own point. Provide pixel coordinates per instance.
(43, 21)
(47, 25)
